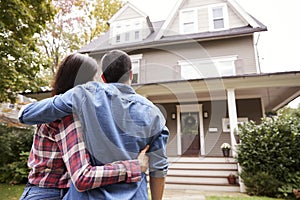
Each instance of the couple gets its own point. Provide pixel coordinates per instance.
(116, 124)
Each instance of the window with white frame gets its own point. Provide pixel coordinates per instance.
(117, 33)
(136, 64)
(206, 68)
(188, 21)
(127, 30)
(218, 17)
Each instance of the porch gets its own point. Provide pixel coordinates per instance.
(202, 173)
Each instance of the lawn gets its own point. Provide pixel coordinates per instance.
(237, 198)
(11, 192)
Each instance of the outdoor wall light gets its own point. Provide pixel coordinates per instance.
(173, 116)
(205, 114)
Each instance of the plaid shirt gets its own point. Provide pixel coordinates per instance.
(58, 152)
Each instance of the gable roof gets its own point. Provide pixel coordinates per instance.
(157, 37)
(123, 9)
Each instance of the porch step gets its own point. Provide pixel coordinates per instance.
(198, 173)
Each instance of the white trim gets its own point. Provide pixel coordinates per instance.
(136, 56)
(119, 12)
(211, 59)
(169, 19)
(195, 20)
(190, 108)
(224, 17)
(243, 13)
(232, 112)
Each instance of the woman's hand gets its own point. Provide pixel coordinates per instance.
(144, 159)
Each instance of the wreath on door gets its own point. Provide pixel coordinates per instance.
(190, 121)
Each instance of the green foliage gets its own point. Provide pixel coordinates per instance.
(14, 150)
(20, 60)
(75, 24)
(269, 154)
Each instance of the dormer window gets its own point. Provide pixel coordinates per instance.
(118, 33)
(188, 21)
(218, 17)
(137, 35)
(126, 31)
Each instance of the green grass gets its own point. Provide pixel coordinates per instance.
(237, 198)
(11, 192)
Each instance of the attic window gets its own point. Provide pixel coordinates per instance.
(218, 17)
(126, 31)
(188, 21)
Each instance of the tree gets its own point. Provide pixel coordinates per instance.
(20, 59)
(76, 23)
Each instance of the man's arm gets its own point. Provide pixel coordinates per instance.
(157, 186)
(47, 110)
(158, 165)
(77, 160)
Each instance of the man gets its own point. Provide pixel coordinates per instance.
(117, 124)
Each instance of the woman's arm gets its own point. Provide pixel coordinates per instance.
(77, 160)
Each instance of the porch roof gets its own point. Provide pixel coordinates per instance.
(275, 89)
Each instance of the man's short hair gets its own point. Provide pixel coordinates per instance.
(116, 66)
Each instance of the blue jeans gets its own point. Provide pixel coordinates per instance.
(39, 193)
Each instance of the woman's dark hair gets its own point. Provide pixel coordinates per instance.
(116, 66)
(74, 70)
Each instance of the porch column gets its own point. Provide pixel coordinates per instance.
(232, 117)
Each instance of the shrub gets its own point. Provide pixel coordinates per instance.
(14, 150)
(269, 154)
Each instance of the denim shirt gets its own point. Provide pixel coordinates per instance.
(117, 125)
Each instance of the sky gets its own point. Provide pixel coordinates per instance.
(277, 47)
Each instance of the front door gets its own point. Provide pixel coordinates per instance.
(190, 135)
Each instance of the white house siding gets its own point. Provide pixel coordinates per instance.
(234, 20)
(243, 47)
(161, 64)
(129, 13)
(203, 16)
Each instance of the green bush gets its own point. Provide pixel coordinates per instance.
(269, 154)
(14, 150)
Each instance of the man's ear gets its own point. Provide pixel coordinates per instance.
(103, 78)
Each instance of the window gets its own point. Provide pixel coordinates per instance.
(205, 68)
(117, 33)
(127, 36)
(218, 17)
(188, 21)
(127, 31)
(137, 35)
(136, 63)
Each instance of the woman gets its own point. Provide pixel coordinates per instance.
(58, 153)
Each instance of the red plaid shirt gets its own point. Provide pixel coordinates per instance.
(58, 152)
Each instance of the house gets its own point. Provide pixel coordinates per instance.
(200, 67)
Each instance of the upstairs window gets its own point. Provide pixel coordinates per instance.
(207, 68)
(188, 21)
(218, 17)
(136, 65)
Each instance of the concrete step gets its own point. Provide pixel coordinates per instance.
(201, 173)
